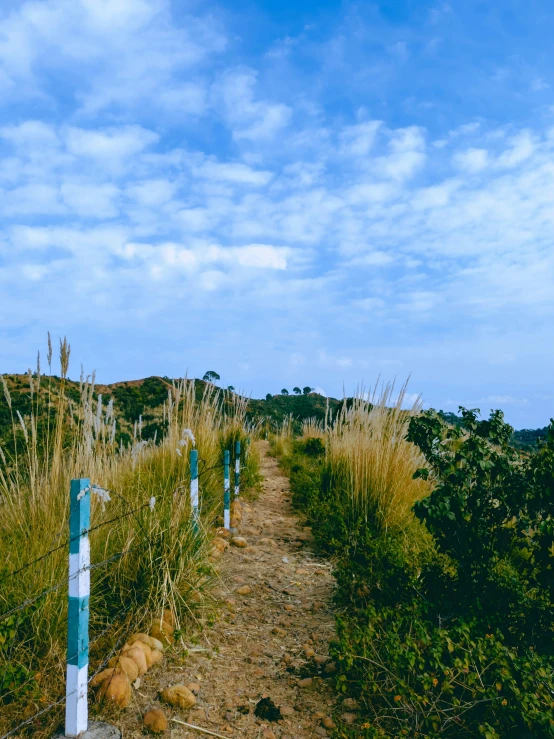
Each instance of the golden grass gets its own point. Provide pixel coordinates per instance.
(370, 462)
(313, 428)
(164, 562)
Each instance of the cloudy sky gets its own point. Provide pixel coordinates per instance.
(289, 193)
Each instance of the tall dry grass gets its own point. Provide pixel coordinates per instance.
(369, 462)
(313, 428)
(155, 556)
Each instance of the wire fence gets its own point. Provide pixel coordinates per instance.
(97, 671)
(150, 538)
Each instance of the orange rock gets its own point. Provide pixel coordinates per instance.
(126, 665)
(155, 721)
(116, 690)
(137, 655)
(178, 695)
(169, 618)
(163, 632)
(99, 679)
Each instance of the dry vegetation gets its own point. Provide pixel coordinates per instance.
(152, 556)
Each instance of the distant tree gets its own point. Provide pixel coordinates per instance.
(307, 390)
(297, 391)
(231, 389)
(284, 391)
(211, 376)
(268, 396)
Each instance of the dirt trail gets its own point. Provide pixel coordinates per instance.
(257, 646)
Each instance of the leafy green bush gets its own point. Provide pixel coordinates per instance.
(416, 679)
(446, 626)
(491, 513)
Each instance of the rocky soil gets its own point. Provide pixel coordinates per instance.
(260, 670)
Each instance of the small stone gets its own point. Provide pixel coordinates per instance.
(243, 590)
(178, 695)
(330, 668)
(305, 683)
(268, 542)
(220, 544)
(194, 688)
(320, 659)
(309, 652)
(328, 722)
(302, 571)
(287, 710)
(268, 734)
(288, 607)
(278, 631)
(155, 721)
(320, 731)
(285, 560)
(116, 690)
(239, 541)
(350, 703)
(348, 718)
(229, 716)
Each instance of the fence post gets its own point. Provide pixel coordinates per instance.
(76, 707)
(194, 487)
(237, 469)
(226, 490)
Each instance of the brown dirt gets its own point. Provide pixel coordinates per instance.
(256, 647)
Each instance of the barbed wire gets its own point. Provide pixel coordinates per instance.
(72, 539)
(208, 469)
(65, 697)
(89, 567)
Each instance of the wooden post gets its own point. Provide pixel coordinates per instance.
(194, 487)
(237, 469)
(76, 706)
(226, 490)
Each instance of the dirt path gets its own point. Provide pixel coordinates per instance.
(271, 642)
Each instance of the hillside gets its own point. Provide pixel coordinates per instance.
(144, 398)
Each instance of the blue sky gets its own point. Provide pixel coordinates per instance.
(288, 193)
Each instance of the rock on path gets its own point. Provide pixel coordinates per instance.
(271, 637)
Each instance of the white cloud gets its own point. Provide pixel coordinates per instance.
(91, 201)
(110, 144)
(358, 140)
(471, 160)
(521, 148)
(248, 117)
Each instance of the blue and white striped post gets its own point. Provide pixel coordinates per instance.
(226, 490)
(76, 707)
(237, 469)
(194, 487)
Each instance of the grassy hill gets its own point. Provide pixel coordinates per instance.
(144, 398)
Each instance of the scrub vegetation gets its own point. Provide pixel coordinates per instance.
(443, 541)
(146, 555)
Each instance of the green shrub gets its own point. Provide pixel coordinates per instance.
(416, 679)
(492, 513)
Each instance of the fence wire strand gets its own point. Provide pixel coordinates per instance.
(95, 673)
(74, 538)
(66, 581)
